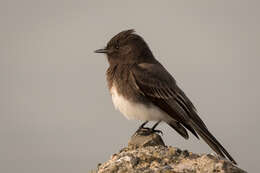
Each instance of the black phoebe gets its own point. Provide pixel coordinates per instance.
(143, 89)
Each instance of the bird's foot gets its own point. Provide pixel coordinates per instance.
(157, 131)
(145, 131)
(141, 130)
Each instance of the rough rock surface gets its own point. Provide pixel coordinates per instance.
(147, 153)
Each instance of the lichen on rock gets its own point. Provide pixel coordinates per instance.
(147, 153)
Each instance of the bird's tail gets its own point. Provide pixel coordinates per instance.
(212, 141)
(179, 128)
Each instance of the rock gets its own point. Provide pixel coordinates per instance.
(147, 153)
(144, 138)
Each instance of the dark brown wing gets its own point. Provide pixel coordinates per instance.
(153, 81)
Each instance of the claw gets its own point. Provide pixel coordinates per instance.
(145, 131)
(157, 131)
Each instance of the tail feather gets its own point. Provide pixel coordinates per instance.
(212, 141)
(179, 128)
(191, 130)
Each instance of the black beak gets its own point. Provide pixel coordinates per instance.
(101, 51)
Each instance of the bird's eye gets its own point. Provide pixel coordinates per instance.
(117, 46)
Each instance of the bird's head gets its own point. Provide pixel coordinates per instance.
(126, 48)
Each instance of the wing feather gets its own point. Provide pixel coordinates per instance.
(159, 86)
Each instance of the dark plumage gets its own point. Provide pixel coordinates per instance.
(136, 76)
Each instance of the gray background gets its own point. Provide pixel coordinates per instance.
(56, 114)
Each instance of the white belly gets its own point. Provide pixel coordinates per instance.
(137, 111)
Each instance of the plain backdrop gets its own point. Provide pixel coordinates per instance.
(56, 114)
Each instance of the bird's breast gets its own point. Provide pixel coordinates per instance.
(135, 110)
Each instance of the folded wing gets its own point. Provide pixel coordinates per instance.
(153, 81)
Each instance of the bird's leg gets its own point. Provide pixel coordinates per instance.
(147, 131)
(154, 126)
(142, 126)
(143, 130)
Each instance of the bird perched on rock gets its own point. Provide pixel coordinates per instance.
(143, 89)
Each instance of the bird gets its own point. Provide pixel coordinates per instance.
(142, 89)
